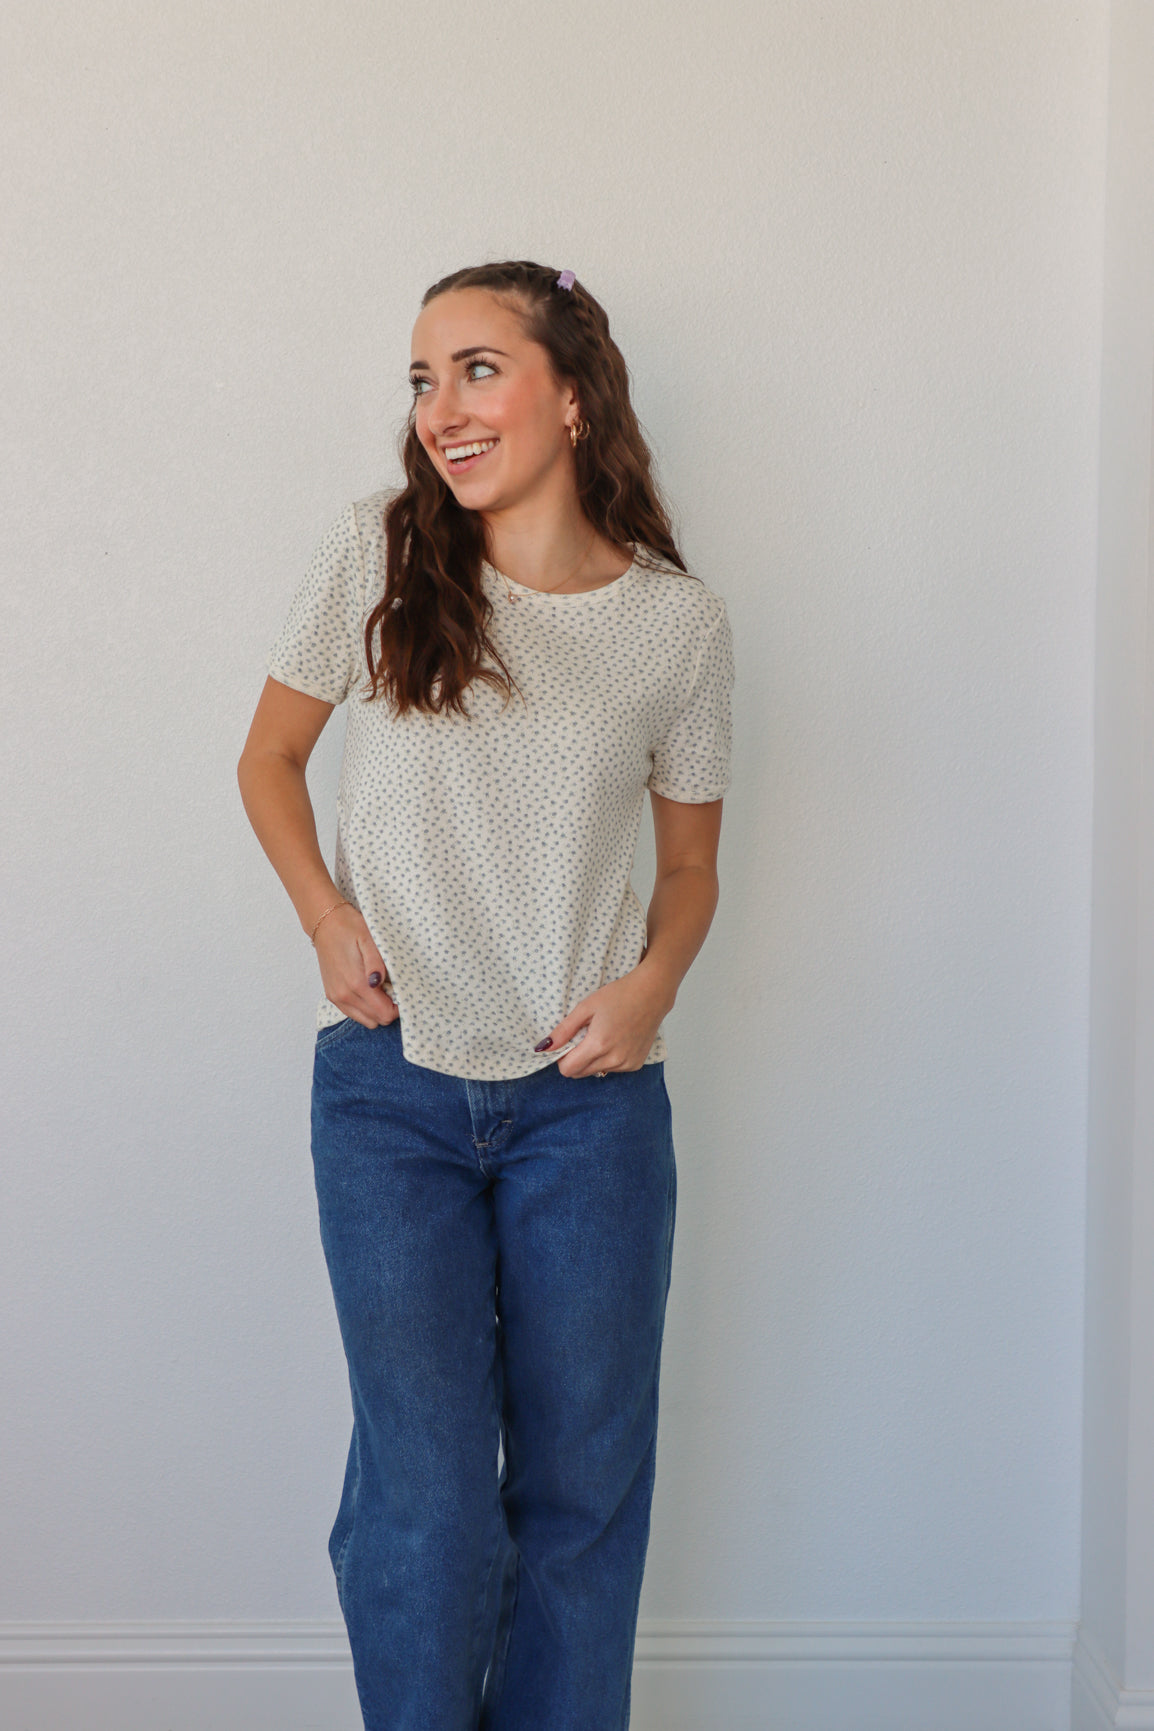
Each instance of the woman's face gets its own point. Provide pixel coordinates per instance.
(479, 380)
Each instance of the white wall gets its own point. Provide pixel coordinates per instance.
(1115, 1660)
(853, 255)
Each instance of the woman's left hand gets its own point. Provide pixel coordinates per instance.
(620, 1019)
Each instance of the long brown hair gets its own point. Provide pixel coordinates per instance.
(431, 622)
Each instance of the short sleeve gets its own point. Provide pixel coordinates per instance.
(318, 649)
(692, 761)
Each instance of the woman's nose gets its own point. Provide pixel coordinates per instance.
(446, 412)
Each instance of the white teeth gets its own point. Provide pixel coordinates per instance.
(454, 452)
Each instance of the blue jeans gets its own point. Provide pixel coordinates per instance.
(500, 1257)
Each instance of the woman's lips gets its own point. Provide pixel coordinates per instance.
(466, 463)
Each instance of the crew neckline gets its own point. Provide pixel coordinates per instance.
(618, 583)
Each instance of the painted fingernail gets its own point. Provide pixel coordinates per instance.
(375, 979)
(544, 1045)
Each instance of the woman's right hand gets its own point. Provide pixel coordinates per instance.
(347, 956)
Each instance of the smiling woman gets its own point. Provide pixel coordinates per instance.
(524, 655)
(522, 450)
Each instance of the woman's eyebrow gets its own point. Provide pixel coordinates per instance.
(463, 354)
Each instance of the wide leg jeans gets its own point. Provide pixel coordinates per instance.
(500, 1257)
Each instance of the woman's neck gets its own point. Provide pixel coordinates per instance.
(560, 556)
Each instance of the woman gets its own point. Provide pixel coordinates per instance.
(525, 654)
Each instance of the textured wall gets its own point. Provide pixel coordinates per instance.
(853, 256)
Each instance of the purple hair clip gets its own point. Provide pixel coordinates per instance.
(566, 279)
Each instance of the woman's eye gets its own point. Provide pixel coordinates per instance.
(418, 384)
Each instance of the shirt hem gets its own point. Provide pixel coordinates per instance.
(425, 1061)
(685, 798)
(296, 684)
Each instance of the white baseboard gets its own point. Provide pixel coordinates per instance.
(1099, 1703)
(688, 1676)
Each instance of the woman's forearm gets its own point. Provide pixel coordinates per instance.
(276, 799)
(680, 914)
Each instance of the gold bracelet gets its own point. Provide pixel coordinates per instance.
(341, 904)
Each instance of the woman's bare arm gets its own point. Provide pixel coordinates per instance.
(271, 776)
(685, 889)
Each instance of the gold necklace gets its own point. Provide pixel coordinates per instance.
(555, 586)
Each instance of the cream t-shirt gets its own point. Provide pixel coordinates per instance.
(490, 854)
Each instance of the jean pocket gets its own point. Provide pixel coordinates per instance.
(326, 1036)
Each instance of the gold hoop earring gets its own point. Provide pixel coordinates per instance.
(574, 435)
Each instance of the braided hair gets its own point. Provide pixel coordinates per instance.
(427, 641)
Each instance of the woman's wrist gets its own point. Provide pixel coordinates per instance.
(312, 907)
(333, 908)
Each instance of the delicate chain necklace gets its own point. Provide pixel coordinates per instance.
(552, 590)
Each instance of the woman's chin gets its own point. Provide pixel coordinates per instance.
(482, 497)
